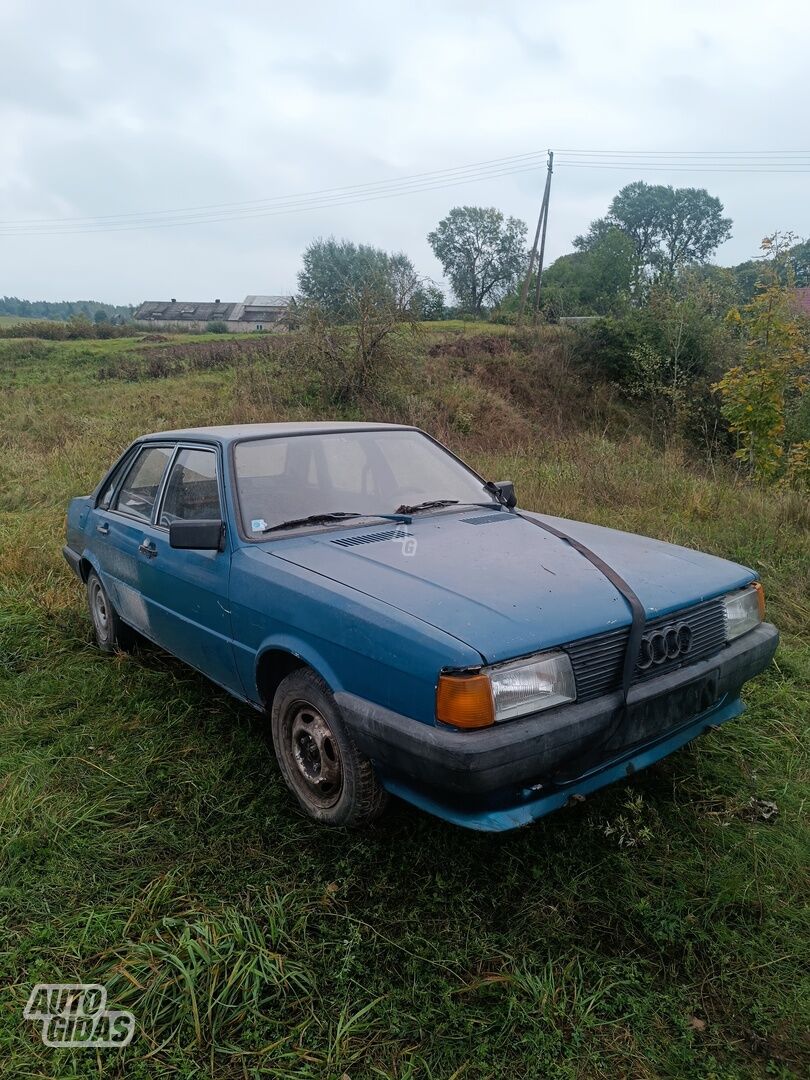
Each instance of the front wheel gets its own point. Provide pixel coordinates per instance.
(334, 783)
(111, 632)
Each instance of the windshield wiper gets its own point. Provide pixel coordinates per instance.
(437, 504)
(431, 504)
(336, 515)
(403, 513)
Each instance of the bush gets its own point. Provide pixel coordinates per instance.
(217, 327)
(610, 344)
(76, 328)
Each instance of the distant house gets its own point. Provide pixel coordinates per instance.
(254, 313)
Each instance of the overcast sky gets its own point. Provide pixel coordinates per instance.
(109, 108)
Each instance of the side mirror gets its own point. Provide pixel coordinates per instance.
(199, 535)
(504, 492)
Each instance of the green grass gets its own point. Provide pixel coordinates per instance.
(146, 840)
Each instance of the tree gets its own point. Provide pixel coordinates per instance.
(799, 261)
(100, 316)
(795, 264)
(354, 301)
(430, 300)
(692, 228)
(596, 281)
(758, 394)
(670, 228)
(338, 274)
(482, 253)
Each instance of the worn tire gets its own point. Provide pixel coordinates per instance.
(333, 782)
(111, 633)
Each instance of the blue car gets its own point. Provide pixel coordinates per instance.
(405, 626)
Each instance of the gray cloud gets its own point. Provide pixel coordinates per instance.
(142, 105)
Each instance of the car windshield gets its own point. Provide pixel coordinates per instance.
(367, 472)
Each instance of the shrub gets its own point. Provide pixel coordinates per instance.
(76, 328)
(36, 328)
(761, 394)
(217, 327)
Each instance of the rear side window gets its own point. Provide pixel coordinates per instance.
(141, 484)
(192, 491)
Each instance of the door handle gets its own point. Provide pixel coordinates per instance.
(147, 548)
(104, 529)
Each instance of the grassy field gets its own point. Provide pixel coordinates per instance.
(147, 842)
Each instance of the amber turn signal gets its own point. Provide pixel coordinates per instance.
(760, 599)
(465, 701)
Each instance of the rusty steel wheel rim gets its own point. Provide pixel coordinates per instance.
(314, 755)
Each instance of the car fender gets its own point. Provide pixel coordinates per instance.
(302, 650)
(90, 558)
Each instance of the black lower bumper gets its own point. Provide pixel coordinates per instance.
(557, 744)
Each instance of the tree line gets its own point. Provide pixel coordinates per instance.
(716, 356)
(94, 310)
(652, 235)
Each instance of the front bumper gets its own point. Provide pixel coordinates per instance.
(522, 769)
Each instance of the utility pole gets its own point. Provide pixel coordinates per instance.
(541, 225)
(543, 238)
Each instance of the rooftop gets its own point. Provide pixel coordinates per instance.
(266, 301)
(212, 311)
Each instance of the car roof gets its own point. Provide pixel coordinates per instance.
(228, 433)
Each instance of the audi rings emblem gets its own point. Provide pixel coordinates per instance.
(668, 643)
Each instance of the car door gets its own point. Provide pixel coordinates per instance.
(122, 526)
(186, 591)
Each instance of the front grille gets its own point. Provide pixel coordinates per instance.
(597, 661)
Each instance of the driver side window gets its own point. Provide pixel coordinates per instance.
(138, 492)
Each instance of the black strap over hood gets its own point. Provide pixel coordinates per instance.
(636, 610)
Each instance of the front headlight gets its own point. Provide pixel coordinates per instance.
(744, 609)
(527, 686)
(517, 688)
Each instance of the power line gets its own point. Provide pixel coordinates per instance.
(686, 153)
(639, 166)
(750, 161)
(450, 174)
(696, 161)
(291, 209)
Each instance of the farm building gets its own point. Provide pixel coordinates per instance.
(254, 313)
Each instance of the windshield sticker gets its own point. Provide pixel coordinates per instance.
(258, 524)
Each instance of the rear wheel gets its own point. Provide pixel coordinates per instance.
(111, 632)
(332, 780)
